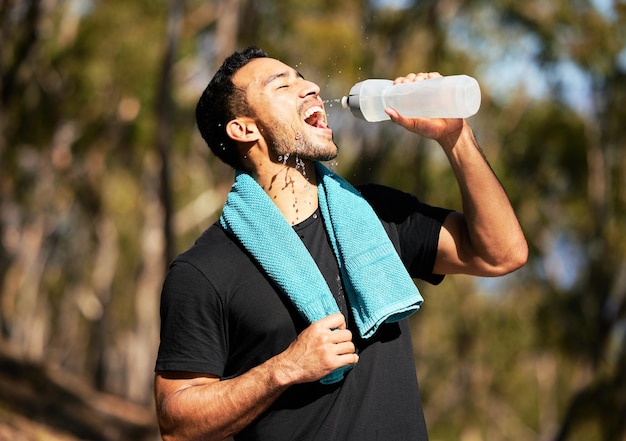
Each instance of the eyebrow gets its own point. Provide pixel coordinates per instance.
(280, 75)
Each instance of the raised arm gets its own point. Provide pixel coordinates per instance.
(197, 406)
(486, 239)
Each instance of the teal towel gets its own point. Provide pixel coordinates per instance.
(377, 284)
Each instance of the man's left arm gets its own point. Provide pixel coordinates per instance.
(486, 239)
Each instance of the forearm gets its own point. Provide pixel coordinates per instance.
(196, 407)
(492, 236)
(219, 409)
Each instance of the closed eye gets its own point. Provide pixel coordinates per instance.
(287, 76)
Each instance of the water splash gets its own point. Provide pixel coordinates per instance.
(332, 102)
(283, 159)
(300, 165)
(332, 164)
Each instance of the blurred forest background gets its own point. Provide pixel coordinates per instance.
(104, 178)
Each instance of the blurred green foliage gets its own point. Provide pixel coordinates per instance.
(86, 85)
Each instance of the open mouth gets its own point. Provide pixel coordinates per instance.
(316, 117)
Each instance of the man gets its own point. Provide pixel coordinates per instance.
(243, 352)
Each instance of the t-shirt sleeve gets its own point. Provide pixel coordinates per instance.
(414, 225)
(192, 323)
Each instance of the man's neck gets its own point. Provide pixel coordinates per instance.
(293, 190)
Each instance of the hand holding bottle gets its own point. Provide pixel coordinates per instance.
(433, 128)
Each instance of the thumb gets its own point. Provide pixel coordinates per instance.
(393, 114)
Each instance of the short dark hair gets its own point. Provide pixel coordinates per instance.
(221, 102)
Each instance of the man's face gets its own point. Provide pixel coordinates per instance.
(287, 109)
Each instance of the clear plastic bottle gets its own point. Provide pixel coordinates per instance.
(455, 96)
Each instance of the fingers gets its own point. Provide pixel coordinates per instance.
(333, 321)
(335, 327)
(336, 339)
(321, 348)
(340, 338)
(350, 359)
(347, 350)
(432, 128)
(409, 78)
(341, 350)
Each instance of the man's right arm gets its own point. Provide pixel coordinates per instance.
(198, 406)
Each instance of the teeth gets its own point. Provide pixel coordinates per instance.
(312, 110)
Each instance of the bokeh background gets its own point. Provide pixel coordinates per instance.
(104, 178)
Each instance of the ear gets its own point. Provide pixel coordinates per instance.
(243, 129)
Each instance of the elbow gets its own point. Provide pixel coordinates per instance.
(167, 430)
(520, 254)
(515, 258)
(515, 263)
(171, 430)
(167, 427)
(172, 434)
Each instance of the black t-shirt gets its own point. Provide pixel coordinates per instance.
(220, 315)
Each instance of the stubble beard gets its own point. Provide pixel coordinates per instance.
(301, 148)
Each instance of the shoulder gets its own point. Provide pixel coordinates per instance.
(214, 259)
(213, 248)
(204, 279)
(395, 206)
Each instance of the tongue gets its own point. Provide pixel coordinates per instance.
(316, 120)
(312, 120)
(320, 123)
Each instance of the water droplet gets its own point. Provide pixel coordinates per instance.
(330, 102)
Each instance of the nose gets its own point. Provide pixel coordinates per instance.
(309, 88)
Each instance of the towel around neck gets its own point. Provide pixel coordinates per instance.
(377, 284)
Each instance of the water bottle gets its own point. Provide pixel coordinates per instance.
(455, 96)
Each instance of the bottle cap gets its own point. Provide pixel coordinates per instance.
(353, 101)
